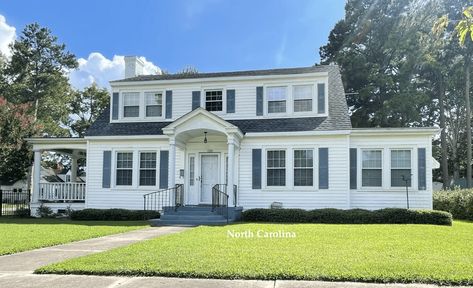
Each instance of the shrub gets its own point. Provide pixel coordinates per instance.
(353, 216)
(44, 211)
(458, 202)
(23, 213)
(113, 214)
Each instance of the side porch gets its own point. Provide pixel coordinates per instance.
(59, 190)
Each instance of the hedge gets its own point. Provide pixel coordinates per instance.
(113, 214)
(353, 216)
(458, 202)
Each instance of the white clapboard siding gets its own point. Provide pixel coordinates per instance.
(337, 194)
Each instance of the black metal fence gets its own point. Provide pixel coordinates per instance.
(12, 203)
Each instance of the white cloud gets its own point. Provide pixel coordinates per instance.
(280, 57)
(7, 36)
(99, 69)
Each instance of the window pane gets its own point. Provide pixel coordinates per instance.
(401, 159)
(131, 98)
(191, 170)
(371, 177)
(213, 100)
(154, 111)
(301, 92)
(153, 98)
(302, 105)
(276, 177)
(276, 93)
(396, 177)
(371, 159)
(148, 177)
(276, 106)
(277, 159)
(124, 160)
(124, 177)
(303, 177)
(148, 160)
(131, 111)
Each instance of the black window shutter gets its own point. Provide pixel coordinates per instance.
(323, 168)
(195, 99)
(163, 169)
(353, 168)
(259, 101)
(256, 169)
(115, 105)
(168, 104)
(231, 101)
(421, 159)
(321, 98)
(106, 169)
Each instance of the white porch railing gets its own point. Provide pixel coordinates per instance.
(69, 191)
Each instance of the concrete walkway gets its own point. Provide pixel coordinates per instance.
(16, 271)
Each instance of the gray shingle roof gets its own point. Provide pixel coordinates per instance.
(281, 71)
(338, 110)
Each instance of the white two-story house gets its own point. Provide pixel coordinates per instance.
(280, 135)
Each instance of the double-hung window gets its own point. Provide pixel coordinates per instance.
(131, 104)
(214, 100)
(124, 169)
(400, 168)
(276, 168)
(148, 169)
(154, 104)
(276, 97)
(302, 95)
(304, 167)
(372, 171)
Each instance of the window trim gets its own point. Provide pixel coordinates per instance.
(314, 104)
(163, 96)
(314, 175)
(265, 169)
(411, 168)
(382, 168)
(122, 106)
(156, 183)
(115, 169)
(203, 99)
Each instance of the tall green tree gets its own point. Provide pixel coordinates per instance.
(86, 106)
(37, 74)
(15, 125)
(462, 29)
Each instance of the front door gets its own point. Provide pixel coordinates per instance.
(209, 172)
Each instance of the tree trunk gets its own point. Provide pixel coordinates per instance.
(468, 120)
(443, 134)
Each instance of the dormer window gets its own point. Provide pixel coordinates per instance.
(214, 100)
(154, 104)
(131, 104)
(276, 97)
(302, 98)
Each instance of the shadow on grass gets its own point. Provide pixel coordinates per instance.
(52, 221)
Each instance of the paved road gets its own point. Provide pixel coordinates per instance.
(16, 270)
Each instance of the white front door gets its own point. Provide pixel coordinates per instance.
(209, 172)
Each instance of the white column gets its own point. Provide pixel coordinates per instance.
(74, 168)
(172, 162)
(36, 175)
(231, 165)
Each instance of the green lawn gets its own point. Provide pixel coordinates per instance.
(18, 235)
(371, 253)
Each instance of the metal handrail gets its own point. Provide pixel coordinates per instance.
(172, 197)
(224, 189)
(220, 200)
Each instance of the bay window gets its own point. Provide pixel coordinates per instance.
(372, 171)
(276, 97)
(400, 168)
(276, 168)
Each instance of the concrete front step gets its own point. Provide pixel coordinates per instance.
(191, 217)
(195, 222)
(189, 212)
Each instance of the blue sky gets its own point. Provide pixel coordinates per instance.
(212, 35)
